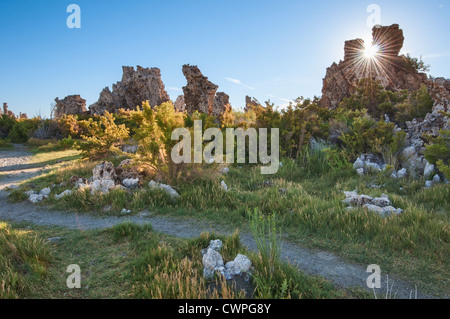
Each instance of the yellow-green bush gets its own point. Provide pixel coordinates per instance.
(103, 137)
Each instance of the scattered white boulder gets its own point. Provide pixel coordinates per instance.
(353, 199)
(436, 180)
(224, 186)
(359, 163)
(167, 188)
(36, 198)
(373, 167)
(131, 149)
(63, 194)
(45, 192)
(429, 170)
(225, 170)
(381, 205)
(242, 263)
(104, 171)
(125, 211)
(216, 245)
(383, 211)
(364, 164)
(402, 173)
(213, 262)
(382, 201)
(409, 152)
(29, 193)
(131, 183)
(103, 186)
(12, 187)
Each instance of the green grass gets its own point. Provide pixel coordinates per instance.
(126, 261)
(24, 261)
(413, 246)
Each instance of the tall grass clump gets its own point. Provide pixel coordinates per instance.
(24, 259)
(275, 279)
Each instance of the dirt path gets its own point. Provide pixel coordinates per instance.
(318, 263)
(15, 167)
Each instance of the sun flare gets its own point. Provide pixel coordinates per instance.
(371, 51)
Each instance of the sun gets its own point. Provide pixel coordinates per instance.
(371, 51)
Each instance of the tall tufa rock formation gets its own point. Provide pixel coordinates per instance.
(136, 86)
(200, 93)
(179, 104)
(250, 103)
(70, 105)
(394, 73)
(7, 112)
(387, 67)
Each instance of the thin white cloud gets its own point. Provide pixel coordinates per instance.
(286, 100)
(172, 88)
(239, 82)
(235, 81)
(286, 103)
(436, 55)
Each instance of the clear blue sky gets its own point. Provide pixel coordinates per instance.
(266, 49)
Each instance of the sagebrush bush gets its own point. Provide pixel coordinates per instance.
(154, 137)
(103, 137)
(438, 152)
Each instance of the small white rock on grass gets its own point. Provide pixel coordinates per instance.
(224, 186)
(167, 188)
(63, 194)
(45, 192)
(131, 182)
(125, 211)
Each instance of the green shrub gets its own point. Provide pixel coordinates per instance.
(367, 136)
(438, 152)
(103, 137)
(67, 142)
(6, 125)
(415, 64)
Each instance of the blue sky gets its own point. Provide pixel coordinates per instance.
(276, 50)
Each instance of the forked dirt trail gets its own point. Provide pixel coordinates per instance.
(15, 167)
(320, 263)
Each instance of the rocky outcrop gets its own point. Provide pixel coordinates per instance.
(6, 111)
(431, 125)
(70, 105)
(179, 104)
(381, 205)
(136, 87)
(250, 103)
(213, 263)
(439, 89)
(221, 104)
(388, 67)
(200, 93)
